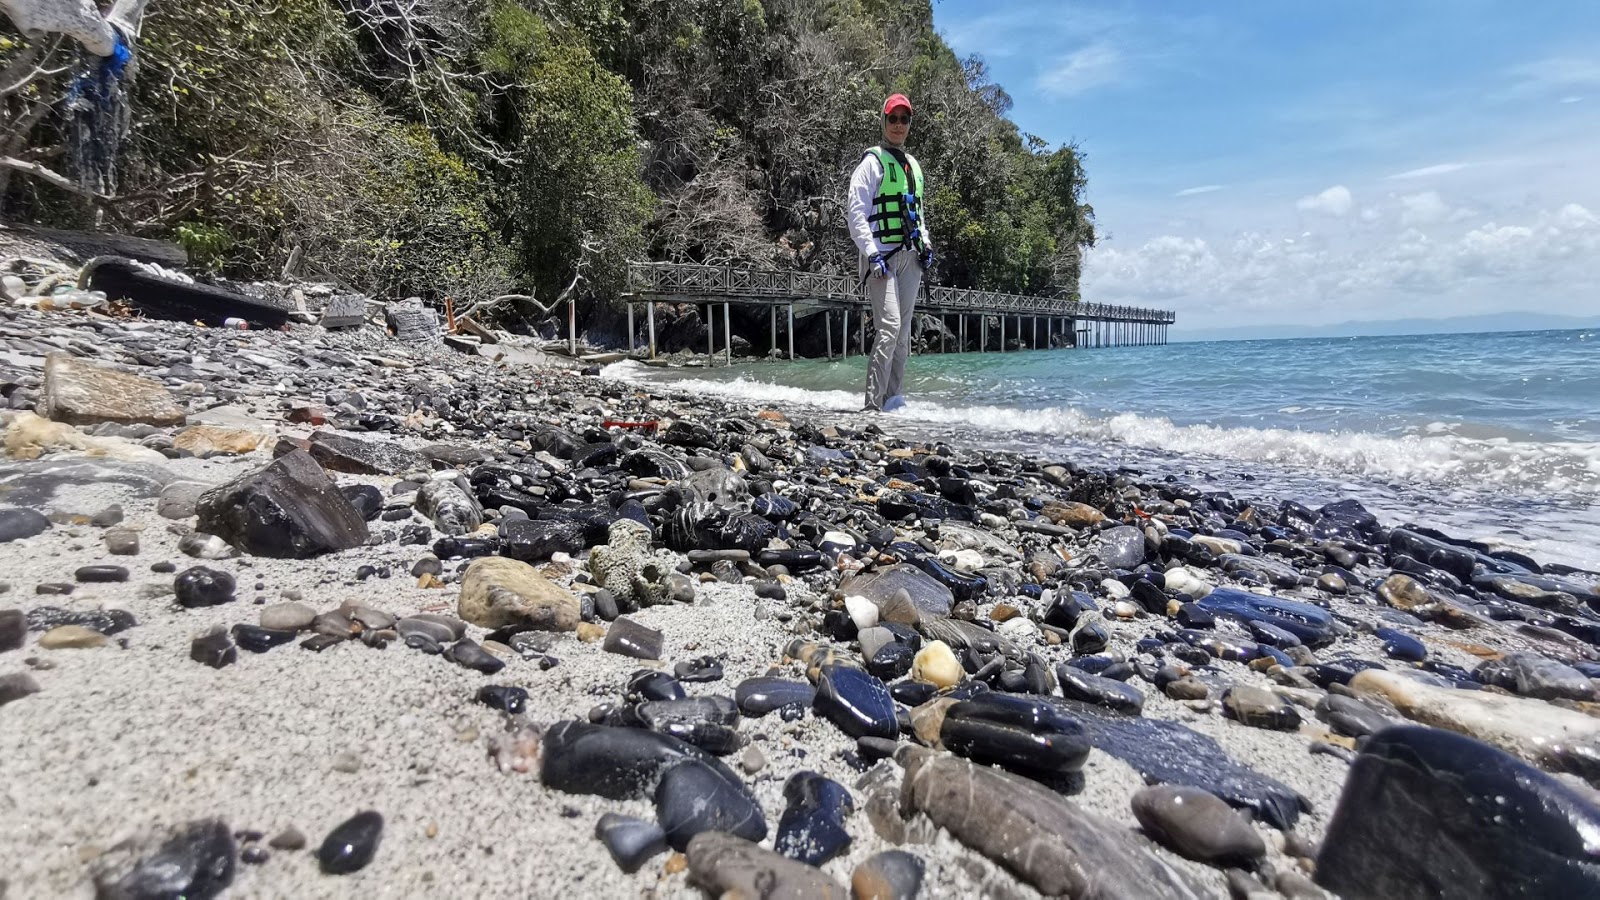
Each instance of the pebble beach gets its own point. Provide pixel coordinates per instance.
(314, 613)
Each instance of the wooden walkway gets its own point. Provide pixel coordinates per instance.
(1090, 324)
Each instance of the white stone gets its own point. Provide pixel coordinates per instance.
(1182, 580)
(862, 611)
(1020, 630)
(937, 665)
(1114, 589)
(964, 561)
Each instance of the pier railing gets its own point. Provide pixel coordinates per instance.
(1092, 324)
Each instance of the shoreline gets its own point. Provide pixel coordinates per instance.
(131, 737)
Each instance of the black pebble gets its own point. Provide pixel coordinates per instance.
(508, 699)
(100, 574)
(199, 586)
(259, 640)
(214, 649)
(351, 846)
(466, 653)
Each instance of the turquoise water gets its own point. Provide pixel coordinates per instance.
(1495, 435)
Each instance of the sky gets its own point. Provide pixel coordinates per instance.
(1270, 161)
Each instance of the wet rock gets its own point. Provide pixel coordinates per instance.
(928, 597)
(648, 684)
(122, 542)
(214, 649)
(197, 861)
(452, 509)
(1197, 825)
(354, 456)
(1170, 753)
(259, 640)
(1431, 552)
(631, 842)
(699, 670)
(1311, 624)
(1401, 646)
(513, 700)
(890, 875)
(13, 629)
(352, 845)
(612, 762)
(505, 593)
(17, 524)
(1077, 684)
(1260, 708)
(1122, 547)
(289, 510)
(1532, 675)
(857, 703)
(366, 499)
(79, 392)
(811, 829)
(1041, 837)
(629, 638)
(471, 655)
(937, 665)
(1351, 717)
(1017, 733)
(535, 540)
(16, 686)
(199, 587)
(759, 696)
(1558, 739)
(694, 797)
(708, 722)
(728, 866)
(1426, 813)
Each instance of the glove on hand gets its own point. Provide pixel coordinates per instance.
(877, 266)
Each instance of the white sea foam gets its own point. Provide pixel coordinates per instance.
(1535, 468)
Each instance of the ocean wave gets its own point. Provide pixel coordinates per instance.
(1544, 469)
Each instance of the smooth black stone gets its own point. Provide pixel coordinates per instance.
(512, 700)
(534, 540)
(1311, 624)
(54, 588)
(199, 586)
(1270, 635)
(195, 864)
(892, 661)
(366, 499)
(289, 509)
(165, 567)
(1091, 638)
(259, 640)
(471, 655)
(648, 684)
(1079, 685)
(400, 515)
(105, 621)
(629, 638)
(1017, 733)
(1438, 554)
(254, 856)
(631, 842)
(1067, 608)
(695, 797)
(709, 722)
(1401, 646)
(100, 574)
(698, 671)
(13, 629)
(912, 693)
(465, 547)
(1349, 716)
(1532, 675)
(17, 523)
(352, 845)
(1427, 813)
(214, 649)
(1167, 752)
(811, 829)
(759, 696)
(856, 702)
(1340, 671)
(611, 762)
(320, 642)
(1150, 597)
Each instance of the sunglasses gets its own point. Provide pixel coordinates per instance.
(898, 120)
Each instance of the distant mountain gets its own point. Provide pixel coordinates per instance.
(1510, 321)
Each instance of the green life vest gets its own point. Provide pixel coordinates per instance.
(897, 210)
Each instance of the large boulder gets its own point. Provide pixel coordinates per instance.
(290, 509)
(83, 393)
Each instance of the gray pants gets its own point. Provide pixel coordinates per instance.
(894, 299)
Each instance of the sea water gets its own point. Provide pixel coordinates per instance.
(1490, 436)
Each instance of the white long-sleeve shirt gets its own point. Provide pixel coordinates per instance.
(864, 184)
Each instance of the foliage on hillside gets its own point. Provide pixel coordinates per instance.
(470, 148)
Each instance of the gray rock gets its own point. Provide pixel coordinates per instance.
(288, 616)
(13, 629)
(342, 453)
(630, 841)
(437, 633)
(16, 524)
(205, 546)
(890, 875)
(122, 542)
(929, 597)
(1260, 708)
(1122, 547)
(1532, 675)
(16, 686)
(728, 866)
(83, 393)
(1040, 836)
(180, 499)
(629, 638)
(1196, 824)
(196, 862)
(289, 510)
(452, 509)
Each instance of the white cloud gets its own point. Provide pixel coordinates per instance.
(1556, 73)
(1202, 189)
(1571, 99)
(1437, 267)
(1426, 171)
(1082, 70)
(1335, 201)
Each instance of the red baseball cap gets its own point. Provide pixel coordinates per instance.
(894, 101)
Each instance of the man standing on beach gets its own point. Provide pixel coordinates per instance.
(886, 223)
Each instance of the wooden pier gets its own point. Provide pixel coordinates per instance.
(1035, 321)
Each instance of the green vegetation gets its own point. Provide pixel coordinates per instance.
(472, 148)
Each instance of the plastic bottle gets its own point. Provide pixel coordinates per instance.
(236, 323)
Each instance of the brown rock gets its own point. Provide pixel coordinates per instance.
(1077, 515)
(206, 441)
(736, 869)
(72, 637)
(83, 393)
(497, 592)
